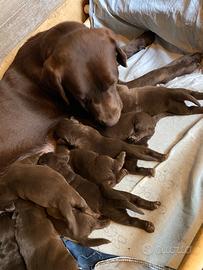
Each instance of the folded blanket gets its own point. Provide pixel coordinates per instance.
(177, 22)
(178, 182)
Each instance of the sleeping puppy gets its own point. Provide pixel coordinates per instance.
(160, 100)
(75, 134)
(39, 243)
(45, 187)
(97, 168)
(10, 257)
(102, 199)
(133, 127)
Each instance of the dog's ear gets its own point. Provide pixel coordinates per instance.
(51, 77)
(118, 40)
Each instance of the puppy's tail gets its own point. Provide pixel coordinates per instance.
(93, 242)
(120, 201)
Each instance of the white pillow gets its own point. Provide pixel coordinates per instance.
(179, 22)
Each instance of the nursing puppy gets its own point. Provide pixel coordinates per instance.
(75, 134)
(10, 257)
(98, 168)
(102, 199)
(39, 243)
(45, 187)
(133, 127)
(160, 100)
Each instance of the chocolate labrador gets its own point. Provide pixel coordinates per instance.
(39, 243)
(10, 257)
(58, 72)
(100, 169)
(102, 199)
(53, 71)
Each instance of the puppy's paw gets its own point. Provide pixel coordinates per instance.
(149, 227)
(155, 205)
(151, 172)
(194, 58)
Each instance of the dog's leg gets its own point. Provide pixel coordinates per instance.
(121, 216)
(139, 43)
(134, 152)
(140, 202)
(181, 109)
(132, 168)
(181, 66)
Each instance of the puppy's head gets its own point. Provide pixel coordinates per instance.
(144, 126)
(83, 65)
(56, 161)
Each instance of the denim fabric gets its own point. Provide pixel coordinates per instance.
(86, 257)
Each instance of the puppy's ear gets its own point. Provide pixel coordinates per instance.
(121, 56)
(51, 77)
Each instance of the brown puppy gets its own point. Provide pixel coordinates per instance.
(97, 168)
(39, 243)
(81, 136)
(133, 127)
(45, 187)
(10, 257)
(160, 100)
(105, 201)
(100, 169)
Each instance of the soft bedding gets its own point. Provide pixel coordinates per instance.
(177, 22)
(178, 182)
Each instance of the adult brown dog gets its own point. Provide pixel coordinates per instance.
(56, 71)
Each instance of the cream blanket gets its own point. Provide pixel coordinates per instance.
(178, 182)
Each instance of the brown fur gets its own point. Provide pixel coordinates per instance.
(47, 188)
(55, 73)
(10, 257)
(78, 135)
(98, 168)
(160, 100)
(39, 243)
(102, 199)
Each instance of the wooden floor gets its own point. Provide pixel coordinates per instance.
(20, 17)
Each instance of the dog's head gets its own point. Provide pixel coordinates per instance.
(84, 65)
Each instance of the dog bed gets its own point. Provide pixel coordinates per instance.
(178, 182)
